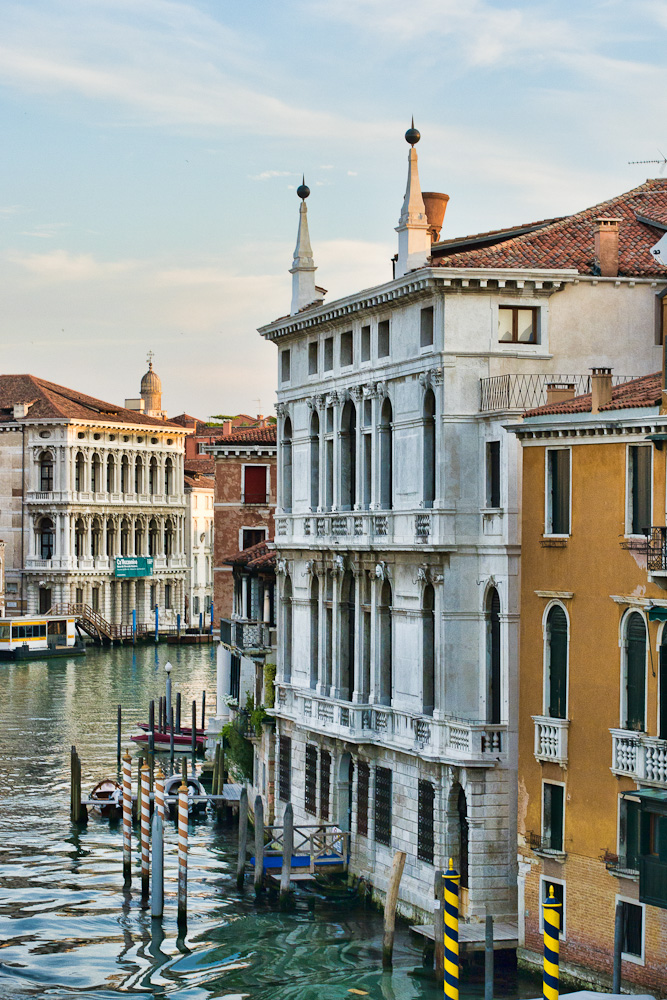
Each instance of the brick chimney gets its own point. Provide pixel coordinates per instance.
(600, 388)
(606, 245)
(559, 392)
(435, 204)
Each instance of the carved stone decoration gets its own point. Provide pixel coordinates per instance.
(281, 409)
(311, 567)
(321, 400)
(312, 402)
(281, 567)
(357, 393)
(382, 571)
(437, 376)
(426, 574)
(333, 398)
(338, 565)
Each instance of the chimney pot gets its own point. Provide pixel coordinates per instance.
(600, 388)
(559, 392)
(226, 428)
(606, 245)
(435, 204)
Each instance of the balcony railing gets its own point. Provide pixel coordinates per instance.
(246, 635)
(551, 739)
(369, 527)
(621, 864)
(457, 740)
(637, 756)
(656, 550)
(525, 392)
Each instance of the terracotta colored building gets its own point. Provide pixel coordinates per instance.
(592, 803)
(245, 500)
(199, 433)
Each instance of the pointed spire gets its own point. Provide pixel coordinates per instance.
(414, 241)
(304, 292)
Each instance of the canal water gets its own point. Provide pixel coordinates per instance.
(66, 927)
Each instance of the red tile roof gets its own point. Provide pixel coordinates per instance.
(259, 556)
(569, 242)
(51, 401)
(200, 465)
(644, 391)
(198, 482)
(250, 435)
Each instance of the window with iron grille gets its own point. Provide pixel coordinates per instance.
(325, 780)
(285, 769)
(383, 805)
(363, 775)
(310, 797)
(425, 822)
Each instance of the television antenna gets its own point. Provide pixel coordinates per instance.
(662, 162)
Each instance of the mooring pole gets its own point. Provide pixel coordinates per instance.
(550, 975)
(127, 819)
(151, 725)
(140, 764)
(178, 712)
(618, 948)
(488, 958)
(145, 834)
(200, 622)
(72, 782)
(451, 880)
(439, 926)
(167, 713)
(390, 908)
(194, 728)
(259, 843)
(288, 848)
(203, 711)
(243, 837)
(216, 765)
(157, 623)
(118, 751)
(157, 881)
(134, 626)
(178, 625)
(183, 853)
(171, 739)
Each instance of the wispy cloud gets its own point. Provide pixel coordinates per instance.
(267, 175)
(7, 210)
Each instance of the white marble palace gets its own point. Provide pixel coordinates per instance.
(83, 483)
(397, 526)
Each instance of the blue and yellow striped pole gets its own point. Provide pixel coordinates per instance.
(452, 932)
(550, 982)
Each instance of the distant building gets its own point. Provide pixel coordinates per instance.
(150, 396)
(245, 498)
(201, 433)
(593, 679)
(199, 493)
(86, 486)
(2, 578)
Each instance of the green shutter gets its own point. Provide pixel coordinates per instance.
(557, 633)
(662, 718)
(635, 673)
(559, 475)
(640, 457)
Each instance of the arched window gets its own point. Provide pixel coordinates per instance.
(138, 475)
(80, 473)
(46, 538)
(329, 459)
(96, 538)
(634, 688)
(111, 538)
(168, 476)
(386, 456)
(348, 456)
(385, 644)
(347, 636)
(139, 542)
(46, 472)
(79, 538)
(314, 461)
(493, 673)
(287, 629)
(428, 649)
(125, 538)
(286, 450)
(556, 663)
(463, 838)
(169, 538)
(96, 474)
(111, 474)
(153, 538)
(152, 477)
(428, 448)
(314, 631)
(125, 475)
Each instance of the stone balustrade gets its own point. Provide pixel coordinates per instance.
(641, 757)
(551, 739)
(363, 527)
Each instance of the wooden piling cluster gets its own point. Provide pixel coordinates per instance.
(78, 812)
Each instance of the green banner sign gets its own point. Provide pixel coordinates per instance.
(134, 566)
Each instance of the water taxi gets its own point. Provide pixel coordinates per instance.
(34, 637)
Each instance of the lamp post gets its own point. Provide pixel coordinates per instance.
(167, 668)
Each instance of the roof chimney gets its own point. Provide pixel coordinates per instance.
(559, 392)
(600, 388)
(606, 246)
(435, 204)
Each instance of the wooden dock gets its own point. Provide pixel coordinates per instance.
(472, 936)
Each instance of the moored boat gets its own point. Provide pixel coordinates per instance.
(36, 637)
(109, 794)
(171, 787)
(163, 740)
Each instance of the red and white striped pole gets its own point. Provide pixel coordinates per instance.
(159, 793)
(183, 853)
(127, 819)
(145, 833)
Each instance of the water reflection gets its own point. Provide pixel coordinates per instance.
(67, 925)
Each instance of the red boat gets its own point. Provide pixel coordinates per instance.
(185, 730)
(164, 739)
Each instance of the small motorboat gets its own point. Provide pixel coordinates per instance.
(109, 794)
(184, 730)
(171, 787)
(182, 741)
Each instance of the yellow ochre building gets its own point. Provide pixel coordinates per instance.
(592, 798)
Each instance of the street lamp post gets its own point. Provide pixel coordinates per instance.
(167, 668)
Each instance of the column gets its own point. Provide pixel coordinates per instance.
(357, 500)
(322, 413)
(357, 687)
(243, 610)
(223, 680)
(375, 463)
(336, 455)
(266, 613)
(374, 693)
(335, 654)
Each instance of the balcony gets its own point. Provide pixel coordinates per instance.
(525, 392)
(247, 635)
(551, 739)
(656, 551)
(643, 758)
(368, 527)
(454, 741)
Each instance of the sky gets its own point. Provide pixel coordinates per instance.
(150, 151)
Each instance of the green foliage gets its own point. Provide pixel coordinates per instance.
(255, 715)
(270, 685)
(238, 751)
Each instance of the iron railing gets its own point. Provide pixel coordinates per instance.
(245, 634)
(656, 549)
(526, 392)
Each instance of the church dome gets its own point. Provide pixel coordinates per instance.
(150, 383)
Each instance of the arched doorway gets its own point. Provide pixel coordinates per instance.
(345, 775)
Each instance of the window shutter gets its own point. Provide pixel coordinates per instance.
(662, 718)
(560, 492)
(641, 490)
(557, 631)
(635, 672)
(255, 484)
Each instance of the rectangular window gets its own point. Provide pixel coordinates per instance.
(558, 492)
(383, 805)
(559, 896)
(325, 783)
(328, 354)
(640, 492)
(425, 822)
(285, 769)
(167, 596)
(632, 948)
(363, 778)
(552, 817)
(628, 835)
(95, 598)
(426, 327)
(517, 324)
(254, 484)
(346, 348)
(493, 474)
(365, 343)
(252, 536)
(310, 796)
(312, 357)
(79, 595)
(46, 477)
(285, 365)
(383, 339)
